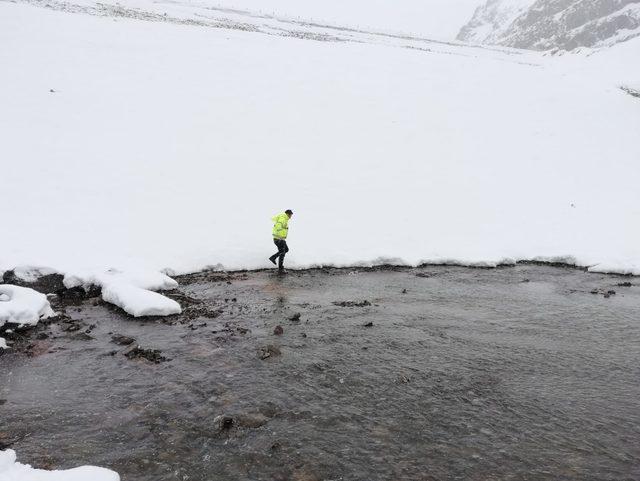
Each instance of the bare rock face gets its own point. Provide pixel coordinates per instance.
(553, 24)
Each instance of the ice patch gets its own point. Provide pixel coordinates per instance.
(11, 470)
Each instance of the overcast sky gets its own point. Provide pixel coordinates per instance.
(436, 18)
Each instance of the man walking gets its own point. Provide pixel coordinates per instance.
(280, 231)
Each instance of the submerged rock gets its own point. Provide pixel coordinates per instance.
(122, 340)
(268, 351)
(223, 423)
(152, 355)
(352, 303)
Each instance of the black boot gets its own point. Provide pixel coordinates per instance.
(273, 259)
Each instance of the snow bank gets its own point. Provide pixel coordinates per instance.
(173, 145)
(139, 302)
(11, 470)
(21, 305)
(130, 290)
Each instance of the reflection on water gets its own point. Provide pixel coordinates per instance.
(470, 374)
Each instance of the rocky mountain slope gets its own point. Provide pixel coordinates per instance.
(553, 24)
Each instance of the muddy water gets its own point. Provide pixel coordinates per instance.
(509, 374)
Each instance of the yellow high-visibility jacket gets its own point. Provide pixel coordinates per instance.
(280, 226)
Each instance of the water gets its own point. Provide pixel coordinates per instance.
(471, 374)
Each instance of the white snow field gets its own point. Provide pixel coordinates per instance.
(11, 470)
(167, 142)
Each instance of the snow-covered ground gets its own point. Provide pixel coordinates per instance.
(138, 146)
(11, 470)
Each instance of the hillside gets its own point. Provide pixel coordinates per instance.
(553, 24)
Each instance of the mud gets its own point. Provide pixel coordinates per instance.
(444, 373)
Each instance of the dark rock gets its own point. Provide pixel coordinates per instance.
(303, 335)
(423, 274)
(268, 351)
(278, 331)
(276, 446)
(152, 355)
(594, 291)
(295, 317)
(525, 280)
(404, 291)
(223, 423)
(611, 292)
(625, 284)
(122, 340)
(352, 303)
(368, 324)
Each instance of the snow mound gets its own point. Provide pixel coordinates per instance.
(139, 302)
(22, 305)
(131, 290)
(10, 470)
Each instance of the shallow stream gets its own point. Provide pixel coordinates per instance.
(444, 373)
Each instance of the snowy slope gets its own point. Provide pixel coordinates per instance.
(553, 24)
(170, 143)
(492, 20)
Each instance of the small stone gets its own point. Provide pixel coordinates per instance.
(594, 291)
(122, 340)
(278, 331)
(276, 446)
(295, 317)
(611, 292)
(625, 284)
(152, 355)
(268, 351)
(368, 324)
(223, 422)
(404, 291)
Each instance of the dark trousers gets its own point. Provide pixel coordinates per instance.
(281, 244)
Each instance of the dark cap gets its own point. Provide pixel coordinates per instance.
(288, 211)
